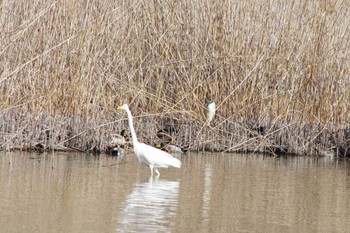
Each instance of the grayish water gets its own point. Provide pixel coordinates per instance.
(65, 192)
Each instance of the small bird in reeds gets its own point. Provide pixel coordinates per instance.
(209, 111)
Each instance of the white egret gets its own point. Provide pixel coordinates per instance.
(148, 155)
(210, 111)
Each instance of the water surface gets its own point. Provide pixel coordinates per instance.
(68, 192)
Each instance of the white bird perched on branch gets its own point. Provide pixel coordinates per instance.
(148, 155)
(210, 109)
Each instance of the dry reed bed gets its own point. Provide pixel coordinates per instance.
(281, 65)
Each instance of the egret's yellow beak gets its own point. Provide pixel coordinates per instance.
(120, 108)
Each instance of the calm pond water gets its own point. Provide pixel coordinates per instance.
(64, 192)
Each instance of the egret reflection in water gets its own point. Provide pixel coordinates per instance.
(150, 206)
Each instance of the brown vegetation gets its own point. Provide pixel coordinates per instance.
(279, 72)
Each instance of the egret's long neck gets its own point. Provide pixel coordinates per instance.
(131, 126)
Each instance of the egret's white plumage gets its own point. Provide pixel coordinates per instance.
(210, 109)
(148, 155)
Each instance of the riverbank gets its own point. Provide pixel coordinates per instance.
(279, 73)
(46, 133)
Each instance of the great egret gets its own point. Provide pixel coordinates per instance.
(210, 111)
(148, 155)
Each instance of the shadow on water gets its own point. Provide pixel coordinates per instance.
(150, 206)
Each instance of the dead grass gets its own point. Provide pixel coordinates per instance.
(65, 65)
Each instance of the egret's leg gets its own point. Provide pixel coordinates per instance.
(151, 167)
(157, 171)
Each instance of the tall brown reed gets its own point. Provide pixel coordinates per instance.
(283, 65)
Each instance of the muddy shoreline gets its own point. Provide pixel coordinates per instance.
(47, 133)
